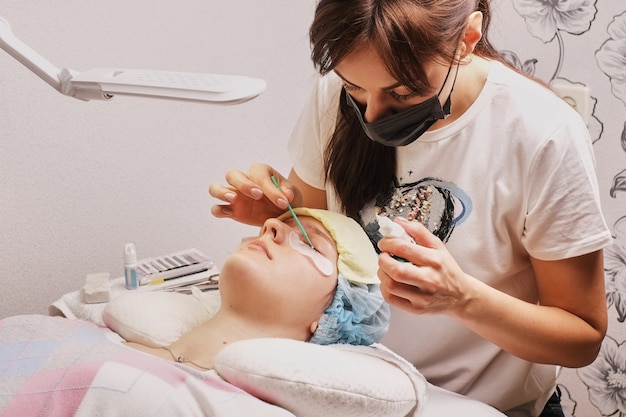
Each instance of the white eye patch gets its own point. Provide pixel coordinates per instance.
(323, 264)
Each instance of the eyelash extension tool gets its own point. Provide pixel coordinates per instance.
(293, 214)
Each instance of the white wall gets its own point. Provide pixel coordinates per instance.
(80, 179)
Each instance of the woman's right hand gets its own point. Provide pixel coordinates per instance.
(252, 197)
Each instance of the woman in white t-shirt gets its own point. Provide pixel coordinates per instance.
(416, 117)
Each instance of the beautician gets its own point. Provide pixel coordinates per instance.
(417, 117)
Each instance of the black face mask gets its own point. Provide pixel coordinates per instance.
(405, 127)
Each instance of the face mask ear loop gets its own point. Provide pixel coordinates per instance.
(445, 81)
(456, 73)
(447, 105)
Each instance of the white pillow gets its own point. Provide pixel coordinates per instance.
(313, 380)
(158, 318)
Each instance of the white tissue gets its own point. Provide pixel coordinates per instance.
(389, 228)
(97, 288)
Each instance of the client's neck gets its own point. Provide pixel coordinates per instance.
(204, 342)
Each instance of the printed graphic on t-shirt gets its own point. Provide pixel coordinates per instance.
(437, 204)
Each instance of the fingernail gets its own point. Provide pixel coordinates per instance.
(227, 211)
(282, 203)
(229, 197)
(402, 219)
(256, 193)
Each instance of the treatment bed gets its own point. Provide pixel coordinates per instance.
(73, 363)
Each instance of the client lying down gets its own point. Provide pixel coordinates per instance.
(276, 285)
(250, 356)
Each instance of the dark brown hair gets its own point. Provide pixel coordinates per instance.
(406, 34)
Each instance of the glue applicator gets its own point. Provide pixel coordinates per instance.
(130, 267)
(293, 214)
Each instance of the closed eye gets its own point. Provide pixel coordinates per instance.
(350, 87)
(401, 97)
(322, 242)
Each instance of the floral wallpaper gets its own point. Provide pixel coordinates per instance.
(584, 42)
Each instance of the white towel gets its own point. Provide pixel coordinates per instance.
(72, 306)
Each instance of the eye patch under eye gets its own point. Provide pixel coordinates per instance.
(323, 264)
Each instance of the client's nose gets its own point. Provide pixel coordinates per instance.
(277, 229)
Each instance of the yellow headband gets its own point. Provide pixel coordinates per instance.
(358, 261)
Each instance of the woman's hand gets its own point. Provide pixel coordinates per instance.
(569, 318)
(251, 197)
(430, 282)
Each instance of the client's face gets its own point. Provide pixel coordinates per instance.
(277, 275)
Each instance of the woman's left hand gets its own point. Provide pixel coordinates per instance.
(569, 317)
(430, 282)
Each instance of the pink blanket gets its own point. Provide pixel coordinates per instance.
(51, 366)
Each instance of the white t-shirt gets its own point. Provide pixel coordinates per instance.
(513, 177)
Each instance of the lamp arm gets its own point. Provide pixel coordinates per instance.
(28, 57)
(59, 79)
(104, 83)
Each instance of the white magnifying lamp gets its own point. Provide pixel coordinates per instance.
(104, 83)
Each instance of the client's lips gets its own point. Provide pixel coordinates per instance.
(258, 244)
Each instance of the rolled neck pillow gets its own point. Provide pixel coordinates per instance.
(312, 380)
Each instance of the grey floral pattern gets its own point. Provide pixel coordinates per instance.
(611, 57)
(594, 33)
(615, 270)
(605, 378)
(545, 19)
(619, 181)
(567, 402)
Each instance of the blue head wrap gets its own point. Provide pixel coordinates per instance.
(358, 315)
